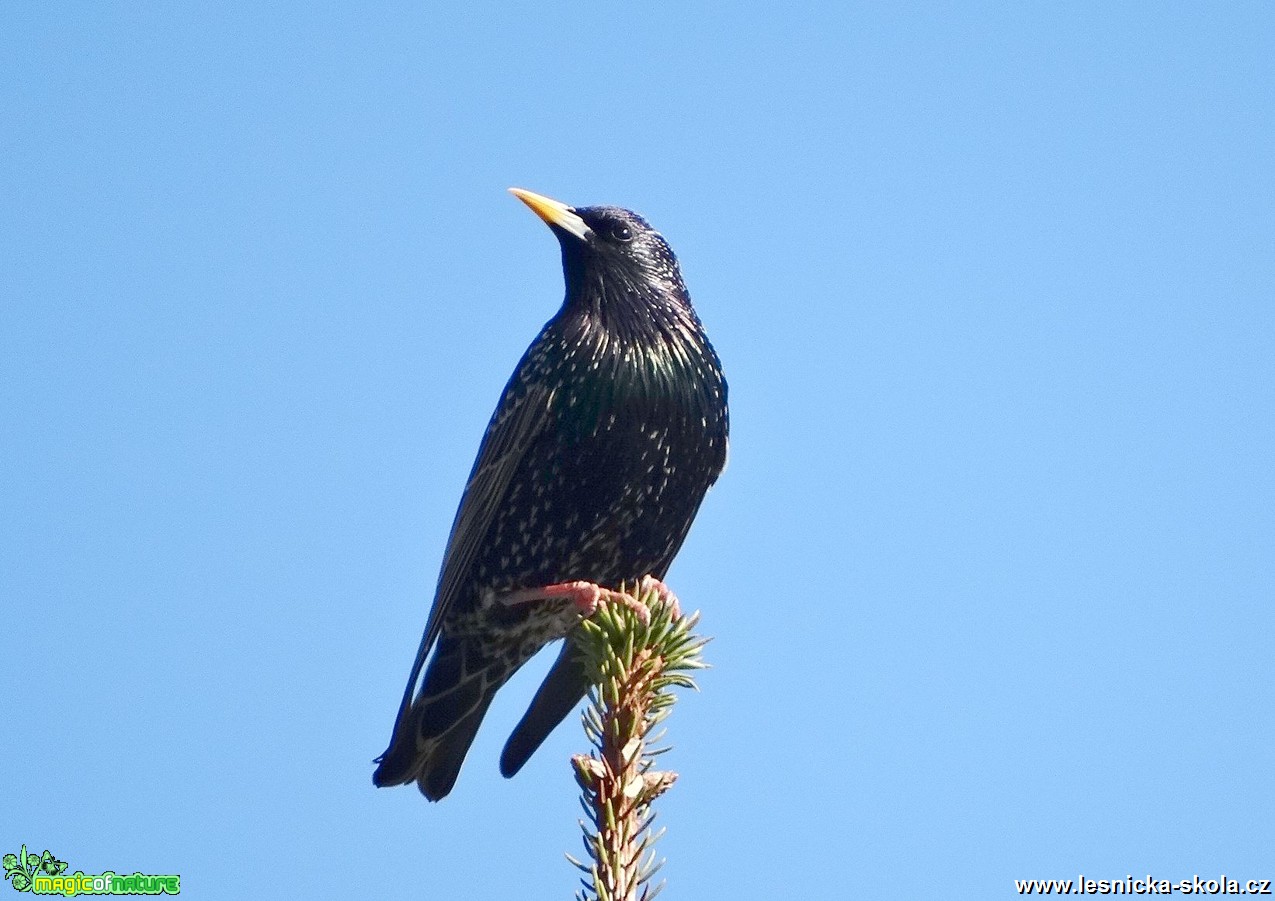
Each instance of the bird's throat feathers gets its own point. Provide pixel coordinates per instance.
(631, 350)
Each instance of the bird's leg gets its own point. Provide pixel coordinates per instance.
(586, 596)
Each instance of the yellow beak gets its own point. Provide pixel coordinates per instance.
(554, 212)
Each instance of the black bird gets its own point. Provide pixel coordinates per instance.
(602, 446)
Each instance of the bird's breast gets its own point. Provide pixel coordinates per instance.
(607, 491)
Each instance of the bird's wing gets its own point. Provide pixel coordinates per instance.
(515, 427)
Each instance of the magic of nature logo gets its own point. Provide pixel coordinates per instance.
(44, 874)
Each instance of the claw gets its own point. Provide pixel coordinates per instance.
(663, 592)
(627, 600)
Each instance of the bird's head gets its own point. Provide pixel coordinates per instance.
(608, 250)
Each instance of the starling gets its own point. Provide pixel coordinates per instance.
(605, 440)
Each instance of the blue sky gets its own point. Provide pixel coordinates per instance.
(990, 575)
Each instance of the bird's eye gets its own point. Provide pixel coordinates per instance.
(621, 232)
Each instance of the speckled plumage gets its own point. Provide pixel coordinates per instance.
(602, 446)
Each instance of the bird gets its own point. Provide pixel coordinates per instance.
(603, 444)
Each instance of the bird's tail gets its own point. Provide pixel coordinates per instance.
(558, 695)
(435, 729)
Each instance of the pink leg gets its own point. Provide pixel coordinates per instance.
(586, 596)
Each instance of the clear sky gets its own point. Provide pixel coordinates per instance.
(990, 575)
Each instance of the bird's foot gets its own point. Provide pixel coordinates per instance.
(663, 592)
(585, 596)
